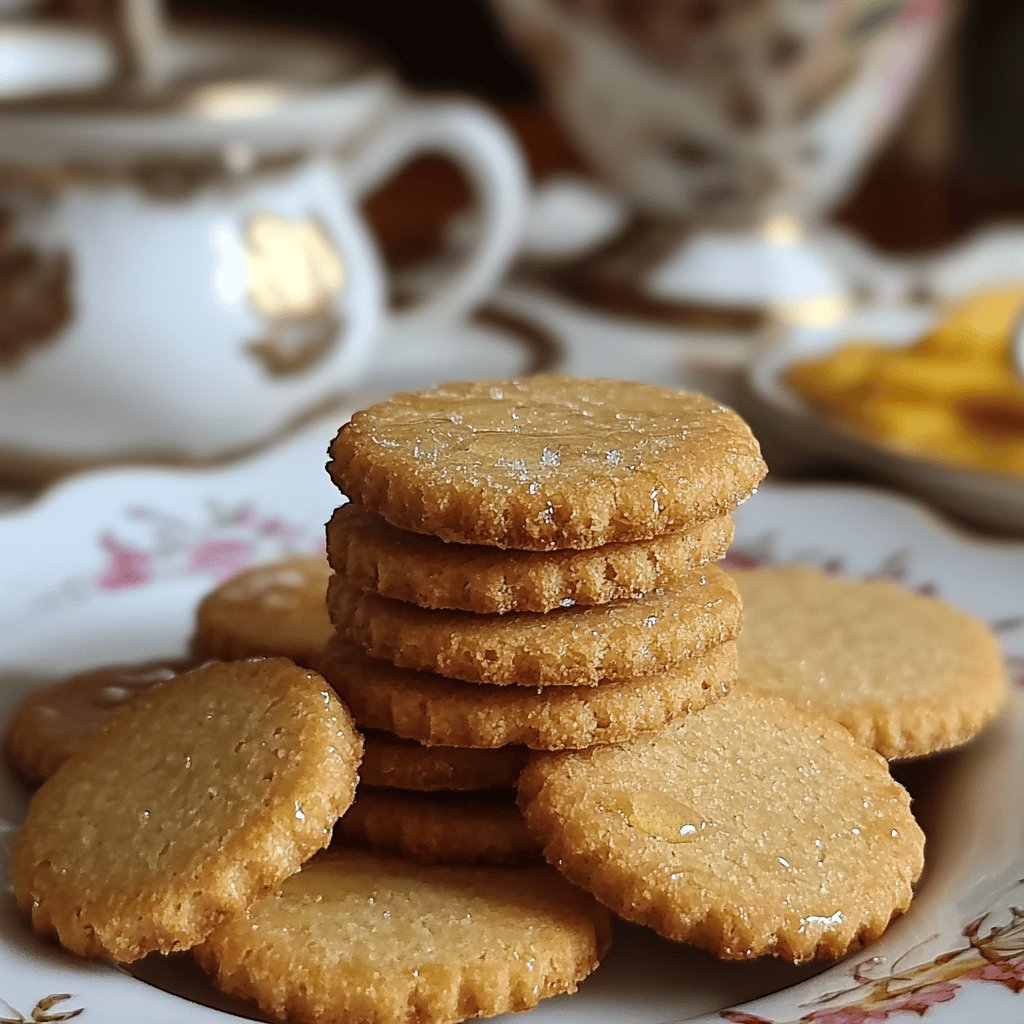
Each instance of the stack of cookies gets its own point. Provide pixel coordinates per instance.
(524, 565)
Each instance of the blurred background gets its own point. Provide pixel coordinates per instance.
(954, 162)
(811, 209)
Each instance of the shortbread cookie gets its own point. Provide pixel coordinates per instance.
(569, 647)
(50, 724)
(441, 828)
(389, 760)
(750, 829)
(274, 610)
(370, 938)
(199, 796)
(435, 710)
(547, 462)
(427, 572)
(905, 673)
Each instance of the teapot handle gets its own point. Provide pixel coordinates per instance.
(485, 151)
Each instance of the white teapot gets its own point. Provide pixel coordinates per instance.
(184, 275)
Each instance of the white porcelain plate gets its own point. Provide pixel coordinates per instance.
(109, 567)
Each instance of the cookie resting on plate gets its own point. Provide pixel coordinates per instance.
(371, 938)
(749, 829)
(199, 796)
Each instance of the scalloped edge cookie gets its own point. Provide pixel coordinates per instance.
(907, 673)
(437, 711)
(547, 462)
(371, 938)
(750, 829)
(263, 747)
(581, 646)
(430, 573)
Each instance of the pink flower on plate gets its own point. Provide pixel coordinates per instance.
(220, 558)
(125, 566)
(273, 526)
(1006, 972)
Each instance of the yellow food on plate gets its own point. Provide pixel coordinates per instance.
(954, 394)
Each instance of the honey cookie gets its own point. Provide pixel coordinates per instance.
(50, 724)
(396, 763)
(274, 610)
(370, 938)
(569, 647)
(905, 673)
(441, 828)
(547, 462)
(199, 796)
(750, 829)
(435, 710)
(430, 573)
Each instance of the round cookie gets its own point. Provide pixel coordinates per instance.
(441, 828)
(430, 573)
(199, 796)
(274, 610)
(906, 674)
(546, 462)
(370, 938)
(750, 829)
(50, 724)
(569, 647)
(396, 763)
(433, 710)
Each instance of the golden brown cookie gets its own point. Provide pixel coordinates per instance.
(427, 572)
(50, 724)
(749, 829)
(435, 710)
(569, 647)
(370, 938)
(199, 796)
(396, 763)
(547, 462)
(905, 673)
(274, 610)
(441, 828)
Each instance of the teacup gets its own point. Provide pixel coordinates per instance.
(185, 273)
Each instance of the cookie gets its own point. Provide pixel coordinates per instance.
(274, 610)
(750, 829)
(427, 572)
(50, 724)
(570, 647)
(441, 828)
(435, 710)
(547, 462)
(905, 673)
(370, 938)
(389, 760)
(199, 796)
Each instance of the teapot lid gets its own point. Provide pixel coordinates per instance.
(61, 98)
